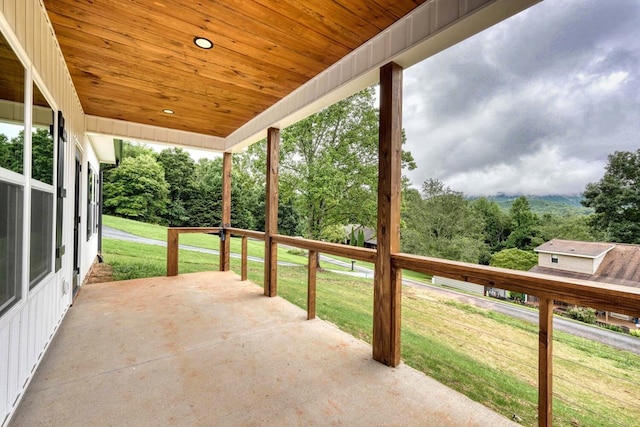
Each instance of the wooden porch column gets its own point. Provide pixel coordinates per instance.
(545, 371)
(172, 251)
(388, 281)
(225, 245)
(271, 214)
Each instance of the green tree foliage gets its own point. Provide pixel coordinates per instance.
(136, 189)
(130, 149)
(179, 172)
(616, 198)
(497, 224)
(568, 227)
(42, 155)
(329, 162)
(331, 159)
(441, 223)
(582, 314)
(12, 152)
(361, 238)
(205, 207)
(523, 223)
(515, 259)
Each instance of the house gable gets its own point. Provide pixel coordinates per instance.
(573, 256)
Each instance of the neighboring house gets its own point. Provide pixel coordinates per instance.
(613, 263)
(369, 235)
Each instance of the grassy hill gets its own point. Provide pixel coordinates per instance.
(554, 204)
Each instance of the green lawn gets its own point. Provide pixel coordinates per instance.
(491, 358)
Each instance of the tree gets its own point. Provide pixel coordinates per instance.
(441, 223)
(330, 158)
(515, 259)
(616, 198)
(567, 227)
(136, 189)
(12, 152)
(42, 155)
(330, 164)
(497, 225)
(523, 222)
(179, 171)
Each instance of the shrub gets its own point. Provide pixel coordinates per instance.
(295, 251)
(583, 314)
(614, 328)
(635, 333)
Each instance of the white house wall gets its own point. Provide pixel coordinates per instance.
(88, 254)
(567, 263)
(28, 327)
(459, 284)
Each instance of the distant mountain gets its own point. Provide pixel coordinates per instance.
(555, 204)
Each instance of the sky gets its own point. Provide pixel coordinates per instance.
(533, 105)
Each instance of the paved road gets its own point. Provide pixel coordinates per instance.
(614, 339)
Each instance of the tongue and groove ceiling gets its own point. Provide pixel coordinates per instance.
(132, 59)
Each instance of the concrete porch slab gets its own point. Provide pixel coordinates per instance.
(209, 349)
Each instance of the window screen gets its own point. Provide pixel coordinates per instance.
(11, 206)
(41, 250)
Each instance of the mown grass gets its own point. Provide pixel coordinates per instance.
(490, 357)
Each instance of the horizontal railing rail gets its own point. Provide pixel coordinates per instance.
(602, 296)
(352, 252)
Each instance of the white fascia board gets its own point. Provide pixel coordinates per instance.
(429, 29)
(103, 147)
(131, 131)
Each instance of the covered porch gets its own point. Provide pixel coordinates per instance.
(210, 349)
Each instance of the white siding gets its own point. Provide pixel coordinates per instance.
(459, 284)
(27, 328)
(567, 263)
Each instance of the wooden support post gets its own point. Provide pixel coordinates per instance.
(225, 240)
(311, 285)
(271, 214)
(388, 280)
(545, 363)
(243, 266)
(172, 252)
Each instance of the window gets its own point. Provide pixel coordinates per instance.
(40, 255)
(92, 202)
(42, 190)
(10, 244)
(554, 258)
(12, 180)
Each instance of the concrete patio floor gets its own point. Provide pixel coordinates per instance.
(209, 349)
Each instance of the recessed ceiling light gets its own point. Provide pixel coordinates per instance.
(203, 43)
(167, 111)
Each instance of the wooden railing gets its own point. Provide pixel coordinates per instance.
(173, 242)
(547, 288)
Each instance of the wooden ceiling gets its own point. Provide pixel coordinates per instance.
(131, 59)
